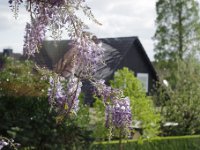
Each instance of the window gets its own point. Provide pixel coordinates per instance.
(144, 79)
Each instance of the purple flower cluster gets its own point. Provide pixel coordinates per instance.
(50, 2)
(64, 100)
(3, 144)
(73, 91)
(56, 92)
(35, 34)
(104, 91)
(118, 110)
(91, 55)
(55, 15)
(121, 113)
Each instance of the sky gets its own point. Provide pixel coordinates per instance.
(119, 18)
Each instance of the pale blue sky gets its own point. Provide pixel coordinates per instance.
(120, 18)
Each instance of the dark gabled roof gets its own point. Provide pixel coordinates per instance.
(116, 50)
(149, 63)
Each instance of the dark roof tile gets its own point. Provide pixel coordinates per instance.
(115, 51)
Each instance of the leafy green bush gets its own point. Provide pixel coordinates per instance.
(180, 102)
(25, 114)
(164, 143)
(97, 115)
(141, 105)
(20, 78)
(28, 121)
(142, 108)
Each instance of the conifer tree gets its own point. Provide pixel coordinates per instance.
(178, 29)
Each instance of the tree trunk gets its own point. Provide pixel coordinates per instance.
(180, 33)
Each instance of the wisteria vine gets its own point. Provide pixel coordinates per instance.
(118, 111)
(59, 15)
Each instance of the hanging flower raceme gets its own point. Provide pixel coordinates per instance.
(64, 100)
(121, 113)
(73, 91)
(35, 34)
(91, 55)
(118, 111)
(55, 15)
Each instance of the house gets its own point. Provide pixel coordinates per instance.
(119, 52)
(9, 53)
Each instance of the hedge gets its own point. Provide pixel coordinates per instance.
(29, 121)
(160, 143)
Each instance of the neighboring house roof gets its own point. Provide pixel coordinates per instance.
(5, 53)
(116, 51)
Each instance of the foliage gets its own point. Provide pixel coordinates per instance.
(177, 35)
(29, 120)
(100, 132)
(160, 143)
(167, 71)
(99, 127)
(117, 107)
(19, 78)
(141, 105)
(178, 30)
(176, 45)
(182, 105)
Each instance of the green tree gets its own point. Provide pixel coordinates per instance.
(177, 35)
(178, 30)
(177, 40)
(142, 106)
(182, 106)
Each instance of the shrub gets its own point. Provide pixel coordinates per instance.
(164, 143)
(25, 114)
(142, 106)
(179, 103)
(28, 121)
